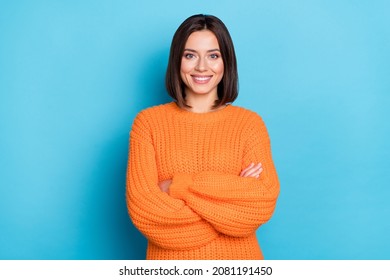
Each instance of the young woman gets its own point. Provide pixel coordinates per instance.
(200, 177)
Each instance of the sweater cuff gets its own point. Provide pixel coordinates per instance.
(180, 185)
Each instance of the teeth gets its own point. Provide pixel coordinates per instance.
(202, 78)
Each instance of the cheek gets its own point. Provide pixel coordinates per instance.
(185, 66)
(183, 78)
(218, 68)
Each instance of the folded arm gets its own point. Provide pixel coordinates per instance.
(165, 221)
(233, 204)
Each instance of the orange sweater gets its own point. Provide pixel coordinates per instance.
(211, 212)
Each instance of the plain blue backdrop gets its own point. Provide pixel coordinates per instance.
(73, 75)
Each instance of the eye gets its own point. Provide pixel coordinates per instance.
(214, 56)
(189, 55)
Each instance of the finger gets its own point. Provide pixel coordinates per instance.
(255, 168)
(253, 172)
(251, 167)
(246, 169)
(257, 174)
(249, 172)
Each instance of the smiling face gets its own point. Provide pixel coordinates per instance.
(201, 65)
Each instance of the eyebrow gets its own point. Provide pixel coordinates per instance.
(191, 50)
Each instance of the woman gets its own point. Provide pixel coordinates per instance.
(200, 177)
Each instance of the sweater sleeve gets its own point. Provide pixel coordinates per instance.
(234, 205)
(165, 221)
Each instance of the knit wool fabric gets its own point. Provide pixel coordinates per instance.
(210, 212)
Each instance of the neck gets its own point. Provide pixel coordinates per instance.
(201, 103)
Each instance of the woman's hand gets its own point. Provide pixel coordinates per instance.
(253, 170)
(164, 185)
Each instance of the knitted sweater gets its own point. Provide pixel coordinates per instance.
(210, 212)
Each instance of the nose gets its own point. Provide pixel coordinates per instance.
(201, 65)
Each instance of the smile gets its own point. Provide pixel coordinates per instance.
(201, 79)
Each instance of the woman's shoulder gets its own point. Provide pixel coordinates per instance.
(155, 111)
(250, 122)
(246, 114)
(149, 117)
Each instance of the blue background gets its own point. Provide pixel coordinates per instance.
(73, 75)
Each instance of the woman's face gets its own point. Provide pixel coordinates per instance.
(201, 65)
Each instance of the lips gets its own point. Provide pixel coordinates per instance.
(201, 79)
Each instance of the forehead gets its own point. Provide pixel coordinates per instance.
(204, 39)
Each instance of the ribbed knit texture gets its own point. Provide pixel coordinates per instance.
(210, 212)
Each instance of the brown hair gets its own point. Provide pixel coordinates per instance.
(228, 86)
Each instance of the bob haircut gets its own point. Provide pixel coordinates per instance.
(228, 86)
